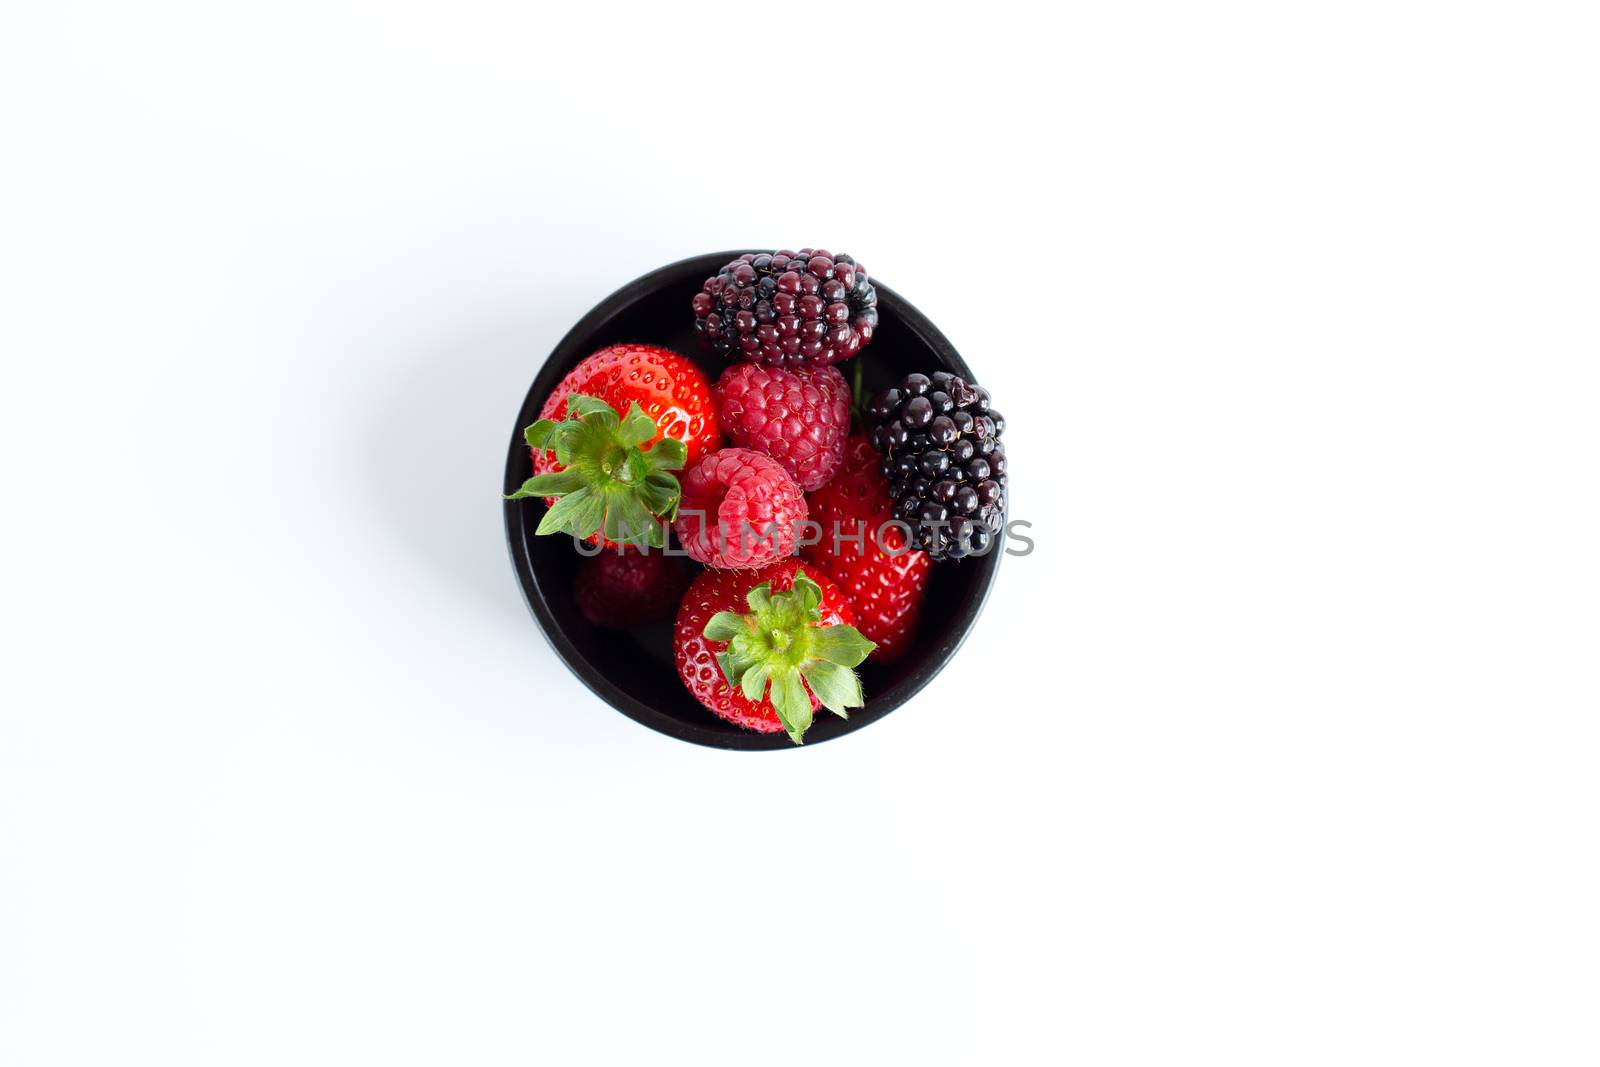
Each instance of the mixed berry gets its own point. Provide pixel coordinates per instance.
(940, 442)
(814, 548)
(632, 587)
(870, 558)
(798, 417)
(787, 309)
(739, 508)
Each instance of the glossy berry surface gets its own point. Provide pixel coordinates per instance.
(668, 388)
(714, 591)
(787, 309)
(739, 509)
(939, 439)
(621, 590)
(866, 555)
(801, 417)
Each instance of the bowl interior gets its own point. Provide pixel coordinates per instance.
(633, 671)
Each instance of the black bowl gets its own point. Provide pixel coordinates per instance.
(633, 672)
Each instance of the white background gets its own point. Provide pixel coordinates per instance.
(1280, 750)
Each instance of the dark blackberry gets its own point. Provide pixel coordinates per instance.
(945, 463)
(787, 309)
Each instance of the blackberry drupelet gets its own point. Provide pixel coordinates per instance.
(787, 309)
(940, 442)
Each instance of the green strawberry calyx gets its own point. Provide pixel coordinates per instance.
(780, 644)
(610, 483)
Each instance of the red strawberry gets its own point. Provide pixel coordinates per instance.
(798, 417)
(740, 631)
(739, 509)
(604, 463)
(884, 580)
(630, 588)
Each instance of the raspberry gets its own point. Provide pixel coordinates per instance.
(940, 442)
(787, 309)
(800, 418)
(739, 509)
(630, 588)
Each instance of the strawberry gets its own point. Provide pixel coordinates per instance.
(864, 556)
(740, 634)
(629, 588)
(609, 436)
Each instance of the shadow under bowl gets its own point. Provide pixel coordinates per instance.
(633, 670)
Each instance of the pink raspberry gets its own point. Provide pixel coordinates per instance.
(739, 509)
(800, 418)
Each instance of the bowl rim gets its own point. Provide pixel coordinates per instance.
(517, 530)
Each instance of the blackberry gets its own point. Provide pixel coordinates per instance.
(940, 443)
(787, 309)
